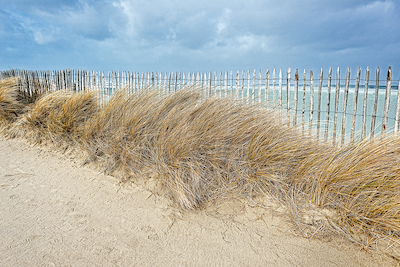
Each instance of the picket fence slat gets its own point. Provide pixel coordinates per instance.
(251, 87)
(396, 123)
(311, 113)
(345, 98)
(387, 100)
(328, 104)
(373, 120)
(267, 88)
(353, 121)
(280, 90)
(296, 94)
(364, 122)
(337, 93)
(319, 102)
(304, 102)
(248, 86)
(274, 89)
(289, 72)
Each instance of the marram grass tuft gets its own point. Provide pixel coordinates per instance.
(58, 117)
(361, 181)
(14, 102)
(201, 149)
(207, 150)
(10, 106)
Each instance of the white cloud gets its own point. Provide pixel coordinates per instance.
(375, 8)
(223, 20)
(27, 26)
(89, 20)
(251, 41)
(44, 36)
(129, 27)
(11, 49)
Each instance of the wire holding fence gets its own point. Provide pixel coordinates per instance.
(330, 108)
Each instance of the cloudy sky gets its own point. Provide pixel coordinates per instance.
(202, 35)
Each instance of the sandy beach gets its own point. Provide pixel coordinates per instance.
(56, 212)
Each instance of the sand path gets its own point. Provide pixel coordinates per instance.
(54, 212)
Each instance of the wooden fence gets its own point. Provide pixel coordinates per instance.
(331, 108)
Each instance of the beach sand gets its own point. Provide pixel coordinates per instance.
(56, 212)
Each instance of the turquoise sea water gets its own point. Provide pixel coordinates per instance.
(273, 102)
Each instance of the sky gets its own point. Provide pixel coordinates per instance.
(202, 35)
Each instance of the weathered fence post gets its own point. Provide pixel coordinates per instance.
(288, 94)
(274, 89)
(280, 104)
(253, 92)
(242, 87)
(209, 83)
(248, 86)
(203, 79)
(169, 81)
(364, 122)
(328, 104)
(267, 88)
(165, 82)
(143, 82)
(375, 104)
(180, 80)
(353, 121)
(396, 121)
(226, 84)
(237, 85)
(259, 86)
(336, 105)
(304, 102)
(387, 101)
(232, 94)
(220, 84)
(280, 92)
(346, 93)
(296, 92)
(311, 101)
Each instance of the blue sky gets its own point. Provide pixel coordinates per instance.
(217, 35)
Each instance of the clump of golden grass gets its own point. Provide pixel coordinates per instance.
(10, 106)
(208, 150)
(58, 116)
(13, 101)
(202, 149)
(361, 181)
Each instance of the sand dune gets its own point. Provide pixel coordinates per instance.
(54, 212)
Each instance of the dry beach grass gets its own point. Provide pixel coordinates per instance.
(209, 150)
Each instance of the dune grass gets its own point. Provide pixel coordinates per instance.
(361, 181)
(10, 106)
(207, 150)
(201, 149)
(58, 117)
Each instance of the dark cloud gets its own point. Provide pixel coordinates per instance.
(206, 35)
(53, 20)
